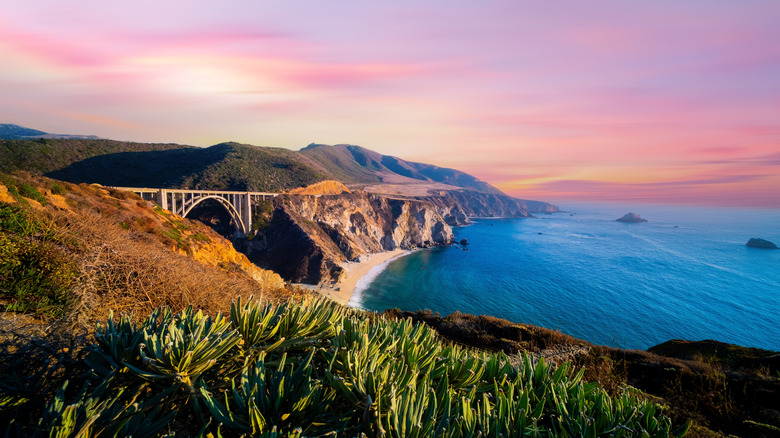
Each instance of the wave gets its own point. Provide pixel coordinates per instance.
(356, 300)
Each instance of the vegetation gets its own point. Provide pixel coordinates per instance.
(245, 167)
(227, 166)
(311, 369)
(261, 215)
(723, 388)
(35, 273)
(43, 155)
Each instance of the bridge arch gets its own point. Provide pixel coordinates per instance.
(234, 214)
(239, 205)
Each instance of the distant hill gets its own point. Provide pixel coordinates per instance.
(355, 164)
(15, 132)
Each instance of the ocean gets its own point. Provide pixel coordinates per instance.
(684, 274)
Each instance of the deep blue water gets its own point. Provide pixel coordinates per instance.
(685, 274)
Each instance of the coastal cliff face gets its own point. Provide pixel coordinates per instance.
(538, 206)
(308, 237)
(457, 206)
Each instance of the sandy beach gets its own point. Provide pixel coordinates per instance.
(342, 291)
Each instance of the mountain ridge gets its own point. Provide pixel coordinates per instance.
(237, 166)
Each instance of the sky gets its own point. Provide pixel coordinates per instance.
(606, 100)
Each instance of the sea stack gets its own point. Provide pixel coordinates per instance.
(631, 218)
(760, 243)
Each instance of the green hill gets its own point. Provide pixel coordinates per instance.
(43, 156)
(226, 166)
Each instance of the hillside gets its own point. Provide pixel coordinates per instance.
(83, 250)
(46, 156)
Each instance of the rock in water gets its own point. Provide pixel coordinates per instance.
(760, 243)
(464, 242)
(631, 218)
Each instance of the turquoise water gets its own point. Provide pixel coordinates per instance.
(685, 274)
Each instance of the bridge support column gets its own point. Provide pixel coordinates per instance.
(246, 211)
(162, 199)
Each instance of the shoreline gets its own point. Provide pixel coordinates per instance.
(343, 292)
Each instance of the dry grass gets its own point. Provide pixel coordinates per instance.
(327, 187)
(127, 272)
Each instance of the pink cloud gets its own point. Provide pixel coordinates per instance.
(734, 190)
(523, 95)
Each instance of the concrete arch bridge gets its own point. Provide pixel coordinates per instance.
(239, 205)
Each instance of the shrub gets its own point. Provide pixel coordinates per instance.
(57, 189)
(31, 192)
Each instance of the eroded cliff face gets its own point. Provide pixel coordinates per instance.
(539, 206)
(308, 237)
(457, 206)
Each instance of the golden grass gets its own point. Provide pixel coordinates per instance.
(327, 187)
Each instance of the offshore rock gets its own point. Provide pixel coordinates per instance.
(631, 218)
(760, 243)
(309, 237)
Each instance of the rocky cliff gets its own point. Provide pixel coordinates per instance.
(457, 206)
(308, 237)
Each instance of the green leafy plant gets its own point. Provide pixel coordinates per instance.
(315, 368)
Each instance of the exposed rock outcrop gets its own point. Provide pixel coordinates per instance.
(631, 218)
(538, 206)
(475, 204)
(760, 243)
(308, 237)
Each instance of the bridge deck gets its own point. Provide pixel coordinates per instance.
(204, 192)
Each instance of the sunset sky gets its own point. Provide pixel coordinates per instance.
(660, 101)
